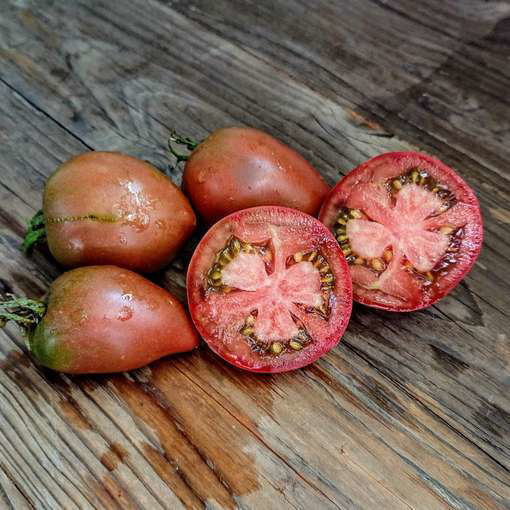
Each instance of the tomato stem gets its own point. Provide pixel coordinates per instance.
(177, 139)
(26, 313)
(36, 232)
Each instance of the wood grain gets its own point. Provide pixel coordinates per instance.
(409, 411)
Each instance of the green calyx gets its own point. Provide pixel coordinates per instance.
(26, 313)
(36, 232)
(184, 141)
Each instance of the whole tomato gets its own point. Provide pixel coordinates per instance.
(237, 168)
(109, 208)
(102, 319)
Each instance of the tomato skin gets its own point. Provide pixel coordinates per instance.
(103, 319)
(272, 215)
(109, 208)
(238, 168)
(399, 162)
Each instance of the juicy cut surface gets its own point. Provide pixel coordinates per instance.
(409, 229)
(275, 290)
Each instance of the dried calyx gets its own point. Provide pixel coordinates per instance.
(26, 313)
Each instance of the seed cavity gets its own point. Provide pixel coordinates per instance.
(422, 177)
(233, 247)
(274, 348)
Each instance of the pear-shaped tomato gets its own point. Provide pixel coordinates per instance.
(109, 208)
(107, 319)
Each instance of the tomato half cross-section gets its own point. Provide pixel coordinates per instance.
(409, 226)
(269, 289)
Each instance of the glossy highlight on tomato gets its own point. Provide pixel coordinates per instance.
(238, 168)
(269, 289)
(102, 319)
(409, 226)
(109, 208)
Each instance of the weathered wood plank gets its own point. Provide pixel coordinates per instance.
(410, 411)
(113, 453)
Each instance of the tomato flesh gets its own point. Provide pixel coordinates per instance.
(409, 226)
(269, 289)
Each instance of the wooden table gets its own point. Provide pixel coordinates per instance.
(410, 411)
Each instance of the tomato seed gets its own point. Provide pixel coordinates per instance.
(328, 278)
(359, 261)
(216, 275)
(377, 264)
(247, 331)
(235, 245)
(276, 347)
(355, 213)
(397, 185)
(247, 247)
(295, 345)
(387, 255)
(446, 230)
(298, 257)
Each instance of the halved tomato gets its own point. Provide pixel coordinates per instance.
(409, 226)
(269, 289)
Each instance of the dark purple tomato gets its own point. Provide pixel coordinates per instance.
(107, 319)
(109, 208)
(237, 168)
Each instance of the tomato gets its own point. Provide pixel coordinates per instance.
(269, 289)
(238, 168)
(109, 208)
(409, 226)
(106, 319)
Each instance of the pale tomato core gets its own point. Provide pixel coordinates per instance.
(274, 293)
